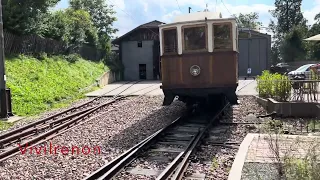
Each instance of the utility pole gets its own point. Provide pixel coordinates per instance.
(3, 97)
(189, 8)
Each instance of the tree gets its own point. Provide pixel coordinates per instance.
(26, 16)
(314, 47)
(72, 26)
(292, 47)
(102, 18)
(57, 26)
(288, 14)
(288, 30)
(249, 20)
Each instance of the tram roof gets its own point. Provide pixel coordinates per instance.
(198, 17)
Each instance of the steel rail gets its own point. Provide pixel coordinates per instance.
(113, 167)
(23, 131)
(4, 155)
(65, 126)
(28, 132)
(184, 162)
(44, 120)
(171, 167)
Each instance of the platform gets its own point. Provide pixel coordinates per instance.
(152, 88)
(257, 159)
(148, 88)
(12, 119)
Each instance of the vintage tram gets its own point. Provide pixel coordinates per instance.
(199, 58)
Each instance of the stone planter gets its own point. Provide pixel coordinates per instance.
(290, 109)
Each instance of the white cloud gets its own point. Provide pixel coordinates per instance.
(166, 10)
(310, 14)
(124, 24)
(226, 10)
(145, 5)
(168, 17)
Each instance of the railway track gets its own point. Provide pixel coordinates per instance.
(167, 150)
(40, 131)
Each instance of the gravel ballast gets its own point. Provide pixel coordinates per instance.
(44, 115)
(216, 161)
(119, 127)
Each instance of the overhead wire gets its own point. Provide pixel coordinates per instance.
(231, 13)
(131, 16)
(178, 5)
(239, 21)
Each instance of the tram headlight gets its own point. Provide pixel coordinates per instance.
(194, 70)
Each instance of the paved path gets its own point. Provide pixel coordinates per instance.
(152, 88)
(257, 154)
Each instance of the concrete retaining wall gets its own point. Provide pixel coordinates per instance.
(290, 109)
(107, 78)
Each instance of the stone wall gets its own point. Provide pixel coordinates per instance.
(107, 78)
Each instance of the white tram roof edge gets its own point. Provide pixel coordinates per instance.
(197, 17)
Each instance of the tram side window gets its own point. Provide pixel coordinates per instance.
(222, 36)
(170, 41)
(195, 38)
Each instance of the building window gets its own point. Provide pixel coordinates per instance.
(222, 35)
(140, 44)
(194, 38)
(170, 42)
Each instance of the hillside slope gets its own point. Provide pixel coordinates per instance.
(40, 85)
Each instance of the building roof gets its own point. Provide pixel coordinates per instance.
(152, 24)
(255, 32)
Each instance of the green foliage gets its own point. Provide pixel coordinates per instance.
(5, 125)
(275, 86)
(273, 126)
(292, 47)
(72, 58)
(113, 62)
(102, 17)
(303, 169)
(288, 14)
(215, 164)
(27, 16)
(38, 86)
(290, 30)
(74, 27)
(84, 22)
(249, 20)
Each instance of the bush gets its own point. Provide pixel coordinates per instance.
(304, 168)
(275, 86)
(72, 58)
(113, 62)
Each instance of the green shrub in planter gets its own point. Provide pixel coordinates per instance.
(282, 87)
(264, 84)
(275, 86)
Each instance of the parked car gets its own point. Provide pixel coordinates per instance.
(281, 68)
(303, 71)
(282, 65)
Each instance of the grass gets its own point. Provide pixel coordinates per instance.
(5, 125)
(215, 164)
(52, 82)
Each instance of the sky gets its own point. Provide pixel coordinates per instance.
(132, 13)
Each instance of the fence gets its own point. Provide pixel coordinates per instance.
(291, 87)
(32, 44)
